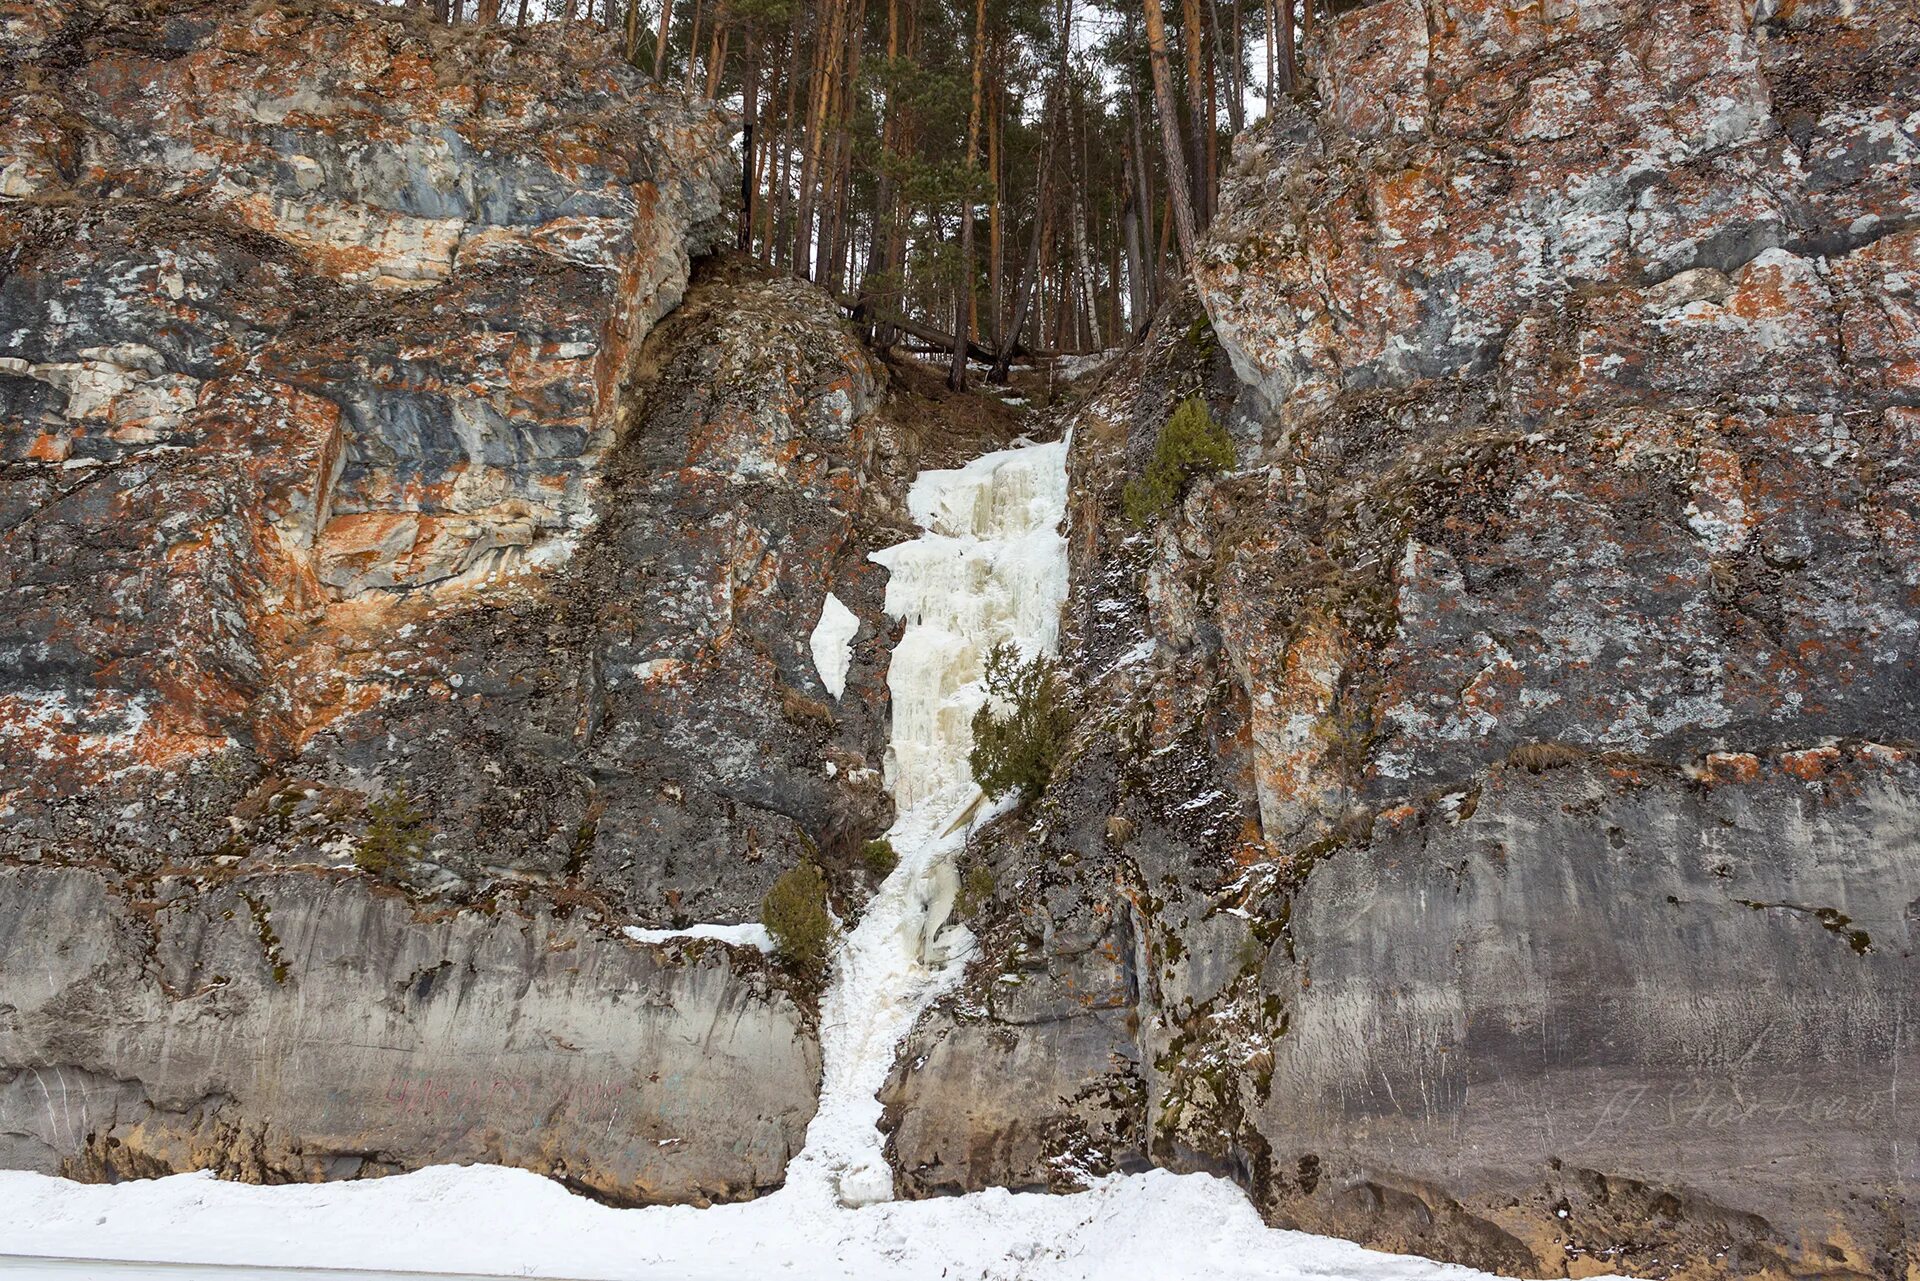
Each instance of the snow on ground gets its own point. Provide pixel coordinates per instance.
(991, 568)
(1070, 367)
(510, 1222)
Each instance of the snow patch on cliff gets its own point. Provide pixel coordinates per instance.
(832, 644)
(748, 935)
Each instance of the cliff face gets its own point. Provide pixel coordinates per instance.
(277, 1028)
(301, 310)
(394, 609)
(1493, 828)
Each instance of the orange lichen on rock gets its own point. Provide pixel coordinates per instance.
(278, 432)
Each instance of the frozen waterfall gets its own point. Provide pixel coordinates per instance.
(990, 567)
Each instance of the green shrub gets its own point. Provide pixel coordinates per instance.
(879, 858)
(1018, 748)
(396, 834)
(976, 888)
(795, 913)
(1191, 444)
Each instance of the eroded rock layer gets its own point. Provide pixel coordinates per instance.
(274, 1028)
(1492, 828)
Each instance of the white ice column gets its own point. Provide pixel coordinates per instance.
(991, 567)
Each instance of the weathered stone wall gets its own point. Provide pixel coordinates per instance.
(294, 1027)
(300, 304)
(1492, 833)
(407, 563)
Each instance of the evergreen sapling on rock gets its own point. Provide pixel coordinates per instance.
(1190, 444)
(1020, 732)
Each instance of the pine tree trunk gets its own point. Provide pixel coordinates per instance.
(749, 149)
(995, 247)
(826, 59)
(1210, 182)
(1177, 184)
(660, 43)
(1139, 294)
(1192, 38)
(773, 250)
(1143, 195)
(783, 188)
(1023, 290)
(963, 288)
(1270, 20)
(833, 237)
(1288, 78)
(1083, 262)
(884, 213)
(1235, 90)
(717, 59)
(693, 46)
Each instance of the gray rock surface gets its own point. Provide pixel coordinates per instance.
(296, 1026)
(1672, 1008)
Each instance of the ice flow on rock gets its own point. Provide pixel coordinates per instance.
(991, 567)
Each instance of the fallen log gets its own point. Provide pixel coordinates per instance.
(938, 339)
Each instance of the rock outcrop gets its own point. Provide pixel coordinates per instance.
(1493, 827)
(408, 560)
(302, 308)
(289, 1027)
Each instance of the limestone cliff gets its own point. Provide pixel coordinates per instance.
(1493, 824)
(393, 608)
(1495, 828)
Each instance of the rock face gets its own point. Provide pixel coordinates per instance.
(647, 726)
(396, 606)
(292, 1027)
(1492, 829)
(300, 309)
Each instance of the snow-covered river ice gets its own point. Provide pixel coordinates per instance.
(990, 566)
